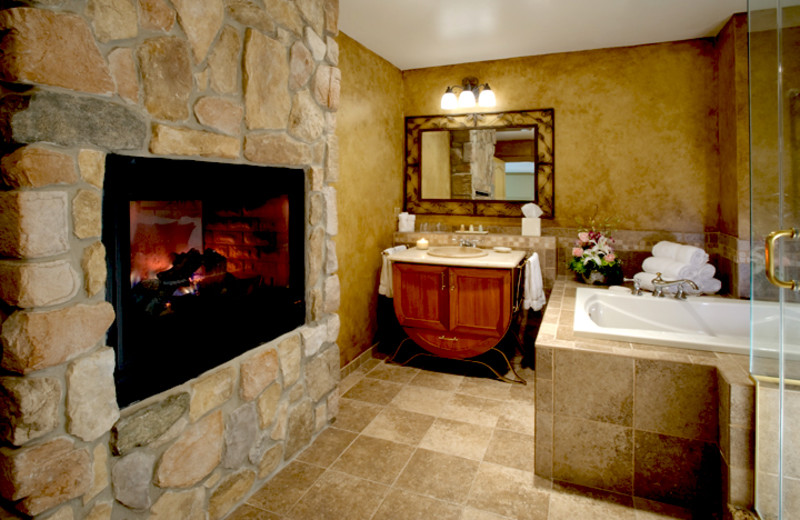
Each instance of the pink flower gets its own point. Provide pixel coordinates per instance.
(577, 252)
(611, 257)
(583, 236)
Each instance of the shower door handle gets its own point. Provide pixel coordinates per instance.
(770, 258)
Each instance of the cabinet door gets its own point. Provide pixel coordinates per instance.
(421, 295)
(480, 301)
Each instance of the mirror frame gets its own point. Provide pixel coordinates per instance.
(542, 119)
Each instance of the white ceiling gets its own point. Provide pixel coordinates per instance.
(427, 33)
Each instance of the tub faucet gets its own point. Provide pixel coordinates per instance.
(637, 287)
(659, 284)
(464, 242)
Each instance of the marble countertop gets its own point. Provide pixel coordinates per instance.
(492, 260)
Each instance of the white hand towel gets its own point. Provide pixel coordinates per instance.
(709, 286)
(669, 269)
(385, 285)
(534, 287)
(680, 252)
(645, 280)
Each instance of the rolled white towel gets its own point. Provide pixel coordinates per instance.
(680, 252)
(706, 271)
(645, 280)
(709, 286)
(669, 269)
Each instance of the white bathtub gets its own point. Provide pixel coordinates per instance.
(700, 323)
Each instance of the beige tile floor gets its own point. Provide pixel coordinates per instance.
(416, 444)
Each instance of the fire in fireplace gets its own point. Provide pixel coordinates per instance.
(206, 261)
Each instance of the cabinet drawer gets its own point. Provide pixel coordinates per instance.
(451, 345)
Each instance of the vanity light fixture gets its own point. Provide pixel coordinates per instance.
(470, 90)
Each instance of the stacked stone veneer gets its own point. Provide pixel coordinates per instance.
(238, 81)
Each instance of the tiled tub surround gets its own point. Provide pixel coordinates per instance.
(218, 80)
(662, 424)
(544, 246)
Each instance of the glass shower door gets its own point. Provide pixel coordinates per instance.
(774, 45)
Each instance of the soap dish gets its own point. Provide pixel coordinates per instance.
(501, 249)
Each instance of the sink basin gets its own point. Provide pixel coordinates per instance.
(457, 252)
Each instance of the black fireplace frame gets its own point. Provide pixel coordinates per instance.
(145, 178)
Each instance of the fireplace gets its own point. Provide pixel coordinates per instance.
(206, 261)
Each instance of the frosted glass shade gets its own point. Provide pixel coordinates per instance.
(449, 100)
(466, 99)
(487, 99)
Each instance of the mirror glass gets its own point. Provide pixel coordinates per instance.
(480, 164)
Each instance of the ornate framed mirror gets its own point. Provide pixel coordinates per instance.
(480, 164)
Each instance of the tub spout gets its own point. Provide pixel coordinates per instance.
(659, 284)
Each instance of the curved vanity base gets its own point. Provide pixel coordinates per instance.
(499, 376)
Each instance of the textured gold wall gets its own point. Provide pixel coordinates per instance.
(636, 127)
(734, 138)
(371, 140)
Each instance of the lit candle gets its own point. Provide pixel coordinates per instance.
(422, 244)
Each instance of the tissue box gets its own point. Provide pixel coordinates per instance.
(532, 227)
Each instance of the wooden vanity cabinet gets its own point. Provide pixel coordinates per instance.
(453, 312)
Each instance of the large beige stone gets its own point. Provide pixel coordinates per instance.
(34, 167)
(270, 461)
(211, 391)
(223, 63)
(167, 80)
(28, 407)
(316, 243)
(331, 211)
(332, 54)
(65, 513)
(331, 260)
(33, 224)
(94, 268)
(149, 425)
(123, 69)
(312, 11)
(249, 14)
(156, 15)
(306, 119)
(266, 82)
(277, 149)
(100, 476)
(92, 166)
(200, 21)
(313, 339)
(33, 340)
(300, 428)
(169, 140)
(91, 395)
(37, 284)
(258, 371)
(326, 86)
(285, 13)
(180, 505)
(113, 19)
(301, 65)
(316, 209)
(267, 405)
(49, 48)
(331, 8)
(130, 478)
(220, 114)
(332, 159)
(281, 422)
(291, 354)
(87, 214)
(322, 374)
(333, 294)
(315, 44)
(41, 477)
(194, 455)
(230, 491)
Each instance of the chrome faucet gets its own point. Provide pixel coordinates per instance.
(659, 284)
(465, 242)
(637, 287)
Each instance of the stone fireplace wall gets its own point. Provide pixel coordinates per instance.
(236, 81)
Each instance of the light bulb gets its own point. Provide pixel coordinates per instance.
(487, 99)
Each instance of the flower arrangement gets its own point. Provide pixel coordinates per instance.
(593, 257)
